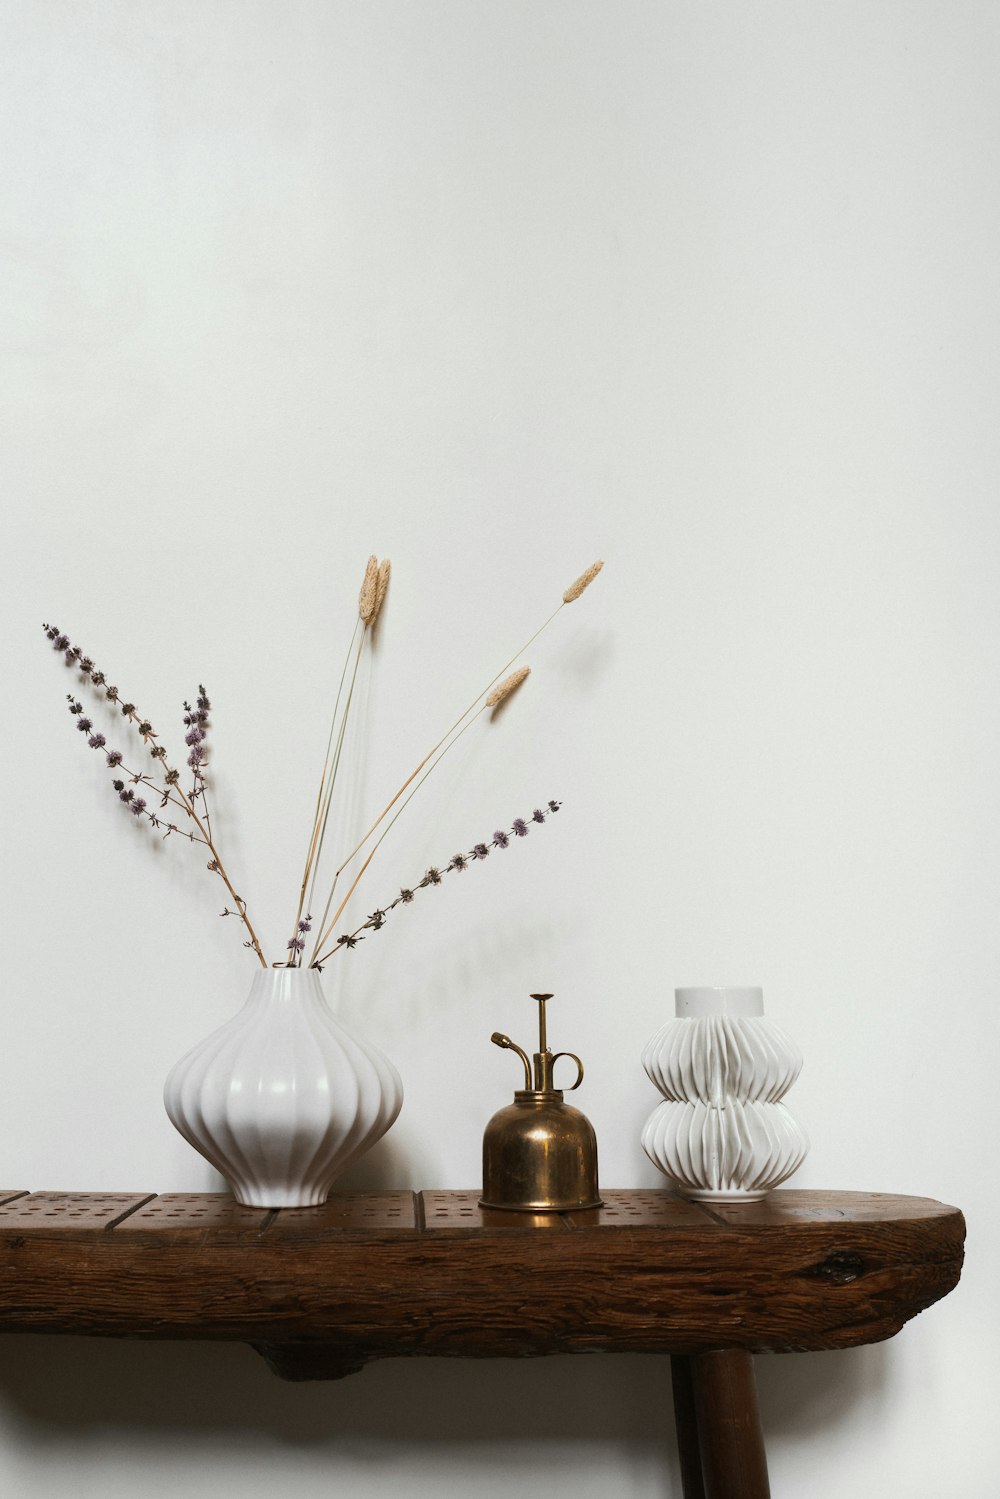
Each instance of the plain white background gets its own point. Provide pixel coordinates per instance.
(496, 289)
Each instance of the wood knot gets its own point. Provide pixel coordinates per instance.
(840, 1267)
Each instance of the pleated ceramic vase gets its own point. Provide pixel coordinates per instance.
(722, 1133)
(284, 1097)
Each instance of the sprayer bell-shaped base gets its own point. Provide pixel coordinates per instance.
(540, 1156)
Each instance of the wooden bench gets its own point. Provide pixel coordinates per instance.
(321, 1291)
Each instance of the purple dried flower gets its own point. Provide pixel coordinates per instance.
(538, 815)
(194, 736)
(112, 694)
(97, 741)
(86, 666)
(118, 785)
(500, 838)
(306, 926)
(519, 827)
(70, 657)
(406, 896)
(74, 707)
(126, 795)
(295, 944)
(114, 758)
(137, 805)
(84, 725)
(127, 709)
(433, 876)
(196, 757)
(459, 862)
(97, 677)
(480, 851)
(554, 806)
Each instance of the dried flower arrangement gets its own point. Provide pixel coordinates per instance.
(168, 794)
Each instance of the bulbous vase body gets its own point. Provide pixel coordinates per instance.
(283, 1097)
(722, 1133)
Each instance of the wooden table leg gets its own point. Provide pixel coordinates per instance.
(686, 1422)
(730, 1438)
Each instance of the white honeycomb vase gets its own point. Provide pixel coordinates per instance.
(722, 1133)
(283, 1097)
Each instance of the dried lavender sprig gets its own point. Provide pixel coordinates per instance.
(434, 876)
(114, 757)
(74, 657)
(138, 807)
(196, 724)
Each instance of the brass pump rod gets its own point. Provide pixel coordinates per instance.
(543, 1045)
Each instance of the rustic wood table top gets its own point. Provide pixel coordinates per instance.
(322, 1290)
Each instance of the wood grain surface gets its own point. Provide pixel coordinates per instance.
(320, 1291)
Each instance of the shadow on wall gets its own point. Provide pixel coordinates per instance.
(66, 1390)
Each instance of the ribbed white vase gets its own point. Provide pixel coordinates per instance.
(722, 1134)
(283, 1097)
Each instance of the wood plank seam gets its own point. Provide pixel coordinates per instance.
(114, 1222)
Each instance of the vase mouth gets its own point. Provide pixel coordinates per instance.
(697, 1001)
(285, 980)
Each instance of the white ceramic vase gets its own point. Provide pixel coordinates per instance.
(283, 1097)
(722, 1134)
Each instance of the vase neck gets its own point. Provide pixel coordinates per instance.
(697, 1003)
(286, 986)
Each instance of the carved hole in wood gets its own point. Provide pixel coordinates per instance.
(840, 1268)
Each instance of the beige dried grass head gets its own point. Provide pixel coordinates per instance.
(583, 581)
(369, 591)
(381, 584)
(507, 686)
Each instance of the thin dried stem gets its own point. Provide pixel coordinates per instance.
(220, 870)
(333, 780)
(317, 814)
(329, 925)
(445, 737)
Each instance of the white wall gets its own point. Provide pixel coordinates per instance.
(709, 291)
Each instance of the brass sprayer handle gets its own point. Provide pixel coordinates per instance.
(579, 1068)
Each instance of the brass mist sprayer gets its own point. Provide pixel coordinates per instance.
(539, 1155)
